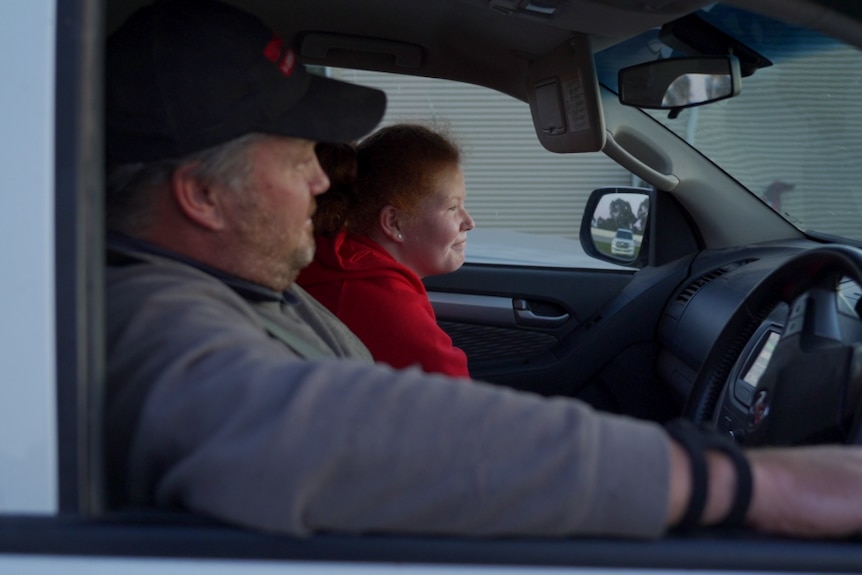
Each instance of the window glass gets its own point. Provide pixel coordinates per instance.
(527, 202)
(791, 136)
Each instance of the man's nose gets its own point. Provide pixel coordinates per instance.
(319, 181)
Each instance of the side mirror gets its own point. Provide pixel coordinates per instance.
(678, 83)
(615, 223)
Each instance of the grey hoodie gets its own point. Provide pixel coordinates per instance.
(209, 412)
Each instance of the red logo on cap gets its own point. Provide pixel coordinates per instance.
(284, 59)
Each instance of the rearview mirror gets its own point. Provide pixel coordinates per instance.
(680, 82)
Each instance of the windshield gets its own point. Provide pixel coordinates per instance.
(792, 135)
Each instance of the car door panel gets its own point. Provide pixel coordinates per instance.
(510, 320)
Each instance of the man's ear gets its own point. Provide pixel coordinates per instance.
(391, 221)
(198, 202)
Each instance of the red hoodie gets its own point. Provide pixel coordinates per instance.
(383, 302)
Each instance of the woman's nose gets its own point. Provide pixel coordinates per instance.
(469, 224)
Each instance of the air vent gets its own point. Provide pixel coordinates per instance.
(692, 288)
(686, 294)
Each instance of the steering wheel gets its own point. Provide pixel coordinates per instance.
(810, 390)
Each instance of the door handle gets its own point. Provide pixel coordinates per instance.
(524, 315)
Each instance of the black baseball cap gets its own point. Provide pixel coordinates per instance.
(186, 75)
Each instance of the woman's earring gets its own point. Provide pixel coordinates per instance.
(400, 236)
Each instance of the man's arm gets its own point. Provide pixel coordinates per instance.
(232, 425)
(215, 416)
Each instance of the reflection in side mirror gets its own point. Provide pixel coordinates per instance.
(615, 223)
(680, 82)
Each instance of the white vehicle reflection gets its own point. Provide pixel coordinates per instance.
(623, 243)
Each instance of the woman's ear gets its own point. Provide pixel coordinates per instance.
(198, 202)
(392, 223)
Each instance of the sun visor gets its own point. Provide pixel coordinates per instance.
(564, 99)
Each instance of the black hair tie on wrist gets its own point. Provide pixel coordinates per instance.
(697, 441)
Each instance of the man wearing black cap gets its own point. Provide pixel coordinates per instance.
(233, 393)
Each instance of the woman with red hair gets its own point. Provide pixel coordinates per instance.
(393, 215)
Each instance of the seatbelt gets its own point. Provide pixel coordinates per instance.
(303, 348)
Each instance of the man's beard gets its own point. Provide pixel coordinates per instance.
(300, 257)
(277, 261)
(274, 255)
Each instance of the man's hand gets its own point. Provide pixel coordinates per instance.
(807, 491)
(800, 491)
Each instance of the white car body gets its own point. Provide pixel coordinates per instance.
(28, 431)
